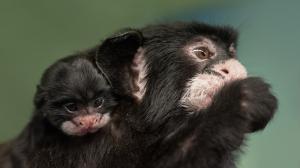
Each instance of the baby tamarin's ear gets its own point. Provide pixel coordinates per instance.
(40, 97)
(115, 58)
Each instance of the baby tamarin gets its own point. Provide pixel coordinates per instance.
(78, 119)
(73, 100)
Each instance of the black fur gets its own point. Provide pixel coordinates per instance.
(158, 132)
(209, 138)
(43, 145)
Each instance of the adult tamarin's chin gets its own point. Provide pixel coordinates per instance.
(201, 89)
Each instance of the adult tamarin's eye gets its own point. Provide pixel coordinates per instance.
(98, 102)
(71, 107)
(202, 52)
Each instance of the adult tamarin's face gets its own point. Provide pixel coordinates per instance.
(185, 64)
(75, 98)
(216, 65)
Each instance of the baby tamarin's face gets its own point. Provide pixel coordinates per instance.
(75, 98)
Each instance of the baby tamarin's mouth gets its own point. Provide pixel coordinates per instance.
(87, 120)
(84, 124)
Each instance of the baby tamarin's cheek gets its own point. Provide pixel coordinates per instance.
(84, 124)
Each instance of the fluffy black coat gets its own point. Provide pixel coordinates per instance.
(43, 145)
(156, 131)
(211, 137)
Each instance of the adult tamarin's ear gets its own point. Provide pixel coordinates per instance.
(115, 57)
(122, 45)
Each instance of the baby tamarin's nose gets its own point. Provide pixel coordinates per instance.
(87, 121)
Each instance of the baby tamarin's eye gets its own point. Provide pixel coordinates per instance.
(99, 102)
(71, 107)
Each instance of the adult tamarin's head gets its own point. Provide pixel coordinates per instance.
(183, 65)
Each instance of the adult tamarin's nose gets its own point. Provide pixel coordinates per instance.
(230, 69)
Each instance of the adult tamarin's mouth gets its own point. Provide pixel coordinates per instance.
(201, 89)
(215, 73)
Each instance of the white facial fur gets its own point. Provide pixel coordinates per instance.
(82, 125)
(201, 89)
(139, 68)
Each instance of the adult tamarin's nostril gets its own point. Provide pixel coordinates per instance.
(80, 123)
(225, 71)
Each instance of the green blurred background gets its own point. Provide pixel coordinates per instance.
(35, 33)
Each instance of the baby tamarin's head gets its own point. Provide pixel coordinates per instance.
(74, 97)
